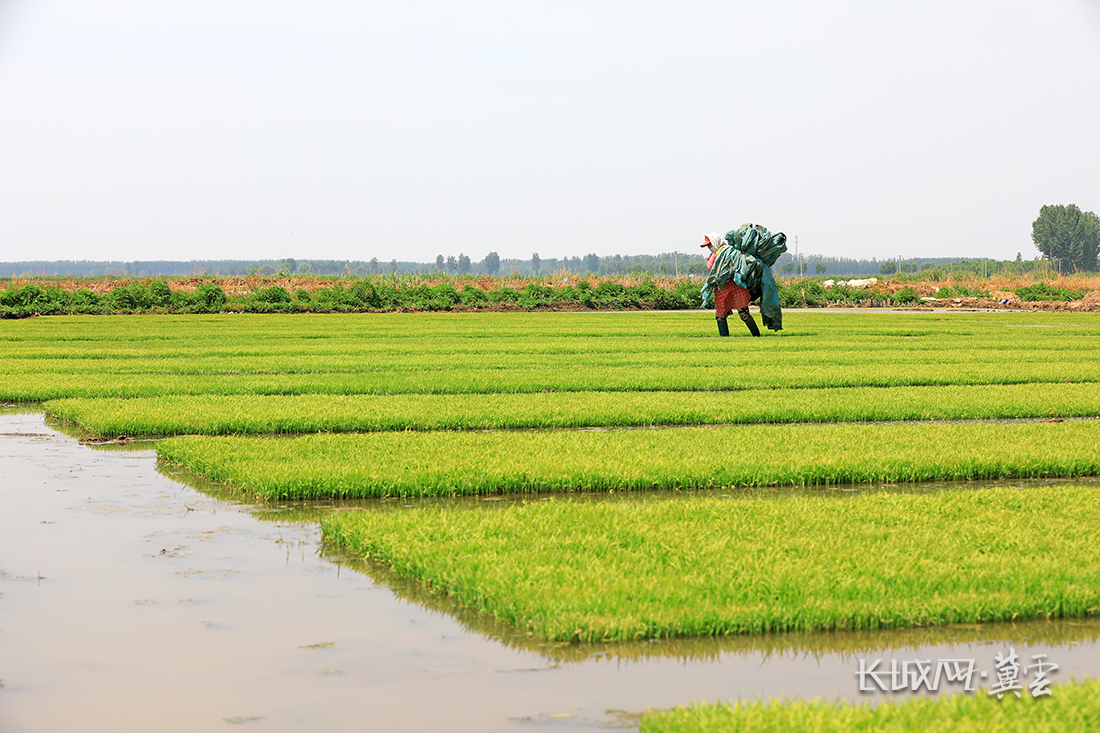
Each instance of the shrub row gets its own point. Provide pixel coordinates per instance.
(1042, 291)
(959, 290)
(158, 296)
(812, 294)
(31, 300)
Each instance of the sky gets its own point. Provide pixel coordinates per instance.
(353, 129)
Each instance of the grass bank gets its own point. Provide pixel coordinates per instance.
(717, 566)
(1070, 708)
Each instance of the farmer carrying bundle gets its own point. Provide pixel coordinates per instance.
(740, 271)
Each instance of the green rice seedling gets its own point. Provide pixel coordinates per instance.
(33, 385)
(565, 570)
(442, 463)
(1074, 706)
(1063, 632)
(525, 353)
(530, 352)
(240, 414)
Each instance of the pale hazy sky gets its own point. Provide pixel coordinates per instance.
(352, 129)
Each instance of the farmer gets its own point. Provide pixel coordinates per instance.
(740, 271)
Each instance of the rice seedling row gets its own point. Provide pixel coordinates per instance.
(37, 387)
(1073, 706)
(238, 414)
(291, 361)
(718, 566)
(442, 463)
(395, 354)
(533, 333)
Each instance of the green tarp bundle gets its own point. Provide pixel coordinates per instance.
(747, 258)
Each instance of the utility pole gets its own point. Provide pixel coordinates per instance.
(799, 259)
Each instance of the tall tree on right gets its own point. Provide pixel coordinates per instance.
(1068, 236)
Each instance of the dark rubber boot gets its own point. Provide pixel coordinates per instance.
(748, 319)
(723, 327)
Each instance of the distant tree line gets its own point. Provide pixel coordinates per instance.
(931, 268)
(668, 264)
(1066, 237)
(1067, 256)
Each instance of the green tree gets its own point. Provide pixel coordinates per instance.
(889, 267)
(535, 262)
(492, 263)
(819, 268)
(160, 294)
(592, 262)
(1068, 236)
(439, 262)
(208, 298)
(463, 264)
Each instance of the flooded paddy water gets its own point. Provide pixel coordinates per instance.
(131, 601)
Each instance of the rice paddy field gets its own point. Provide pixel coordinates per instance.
(730, 565)
(1075, 708)
(776, 482)
(214, 414)
(526, 353)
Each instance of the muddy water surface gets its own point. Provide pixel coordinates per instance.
(130, 601)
